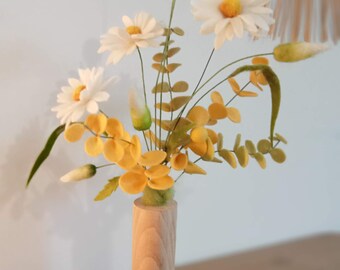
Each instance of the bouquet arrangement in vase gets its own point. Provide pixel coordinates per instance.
(175, 134)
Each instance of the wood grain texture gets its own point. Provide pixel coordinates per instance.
(154, 236)
(320, 252)
(306, 20)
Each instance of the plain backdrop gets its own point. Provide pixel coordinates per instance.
(53, 225)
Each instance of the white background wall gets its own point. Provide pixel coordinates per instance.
(58, 226)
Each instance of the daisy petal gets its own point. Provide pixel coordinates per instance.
(92, 106)
(81, 95)
(127, 21)
(231, 19)
(101, 96)
(238, 27)
(142, 31)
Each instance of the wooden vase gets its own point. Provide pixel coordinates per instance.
(154, 236)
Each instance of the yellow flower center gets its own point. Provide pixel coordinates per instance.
(230, 8)
(77, 91)
(133, 30)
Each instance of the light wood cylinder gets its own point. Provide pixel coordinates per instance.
(154, 236)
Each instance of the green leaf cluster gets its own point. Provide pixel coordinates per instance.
(241, 153)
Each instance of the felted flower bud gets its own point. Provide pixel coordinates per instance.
(81, 173)
(293, 52)
(139, 111)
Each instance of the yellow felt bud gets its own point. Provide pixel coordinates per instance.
(293, 52)
(140, 113)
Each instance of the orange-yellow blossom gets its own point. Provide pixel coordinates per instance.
(256, 77)
(149, 171)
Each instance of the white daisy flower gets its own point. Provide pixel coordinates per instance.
(82, 95)
(140, 32)
(230, 18)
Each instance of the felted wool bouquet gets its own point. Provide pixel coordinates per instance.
(174, 132)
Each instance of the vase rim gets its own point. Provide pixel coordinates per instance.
(169, 205)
